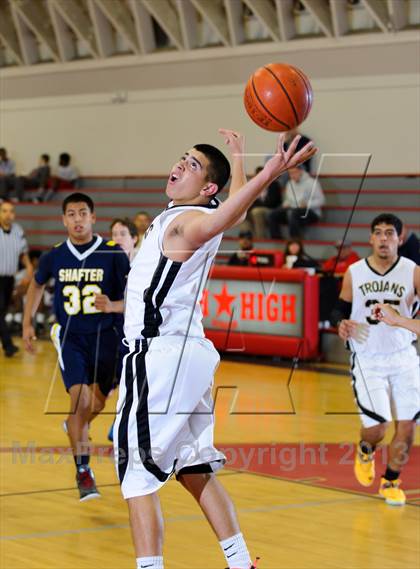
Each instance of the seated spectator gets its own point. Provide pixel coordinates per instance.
(67, 177)
(296, 257)
(142, 221)
(36, 180)
(410, 246)
(241, 257)
(338, 264)
(301, 206)
(124, 232)
(258, 213)
(7, 175)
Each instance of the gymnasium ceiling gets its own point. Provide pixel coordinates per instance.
(60, 31)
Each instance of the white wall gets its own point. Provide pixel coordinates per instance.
(376, 115)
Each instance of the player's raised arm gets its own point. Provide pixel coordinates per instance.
(33, 299)
(236, 143)
(198, 229)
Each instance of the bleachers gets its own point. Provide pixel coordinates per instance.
(124, 196)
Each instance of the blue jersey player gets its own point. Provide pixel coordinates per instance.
(86, 269)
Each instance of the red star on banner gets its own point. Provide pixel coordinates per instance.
(224, 300)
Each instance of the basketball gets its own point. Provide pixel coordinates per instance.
(278, 97)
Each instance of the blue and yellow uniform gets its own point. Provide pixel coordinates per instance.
(87, 340)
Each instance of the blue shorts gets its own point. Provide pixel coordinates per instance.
(88, 358)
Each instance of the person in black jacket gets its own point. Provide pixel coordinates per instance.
(295, 256)
(269, 200)
(241, 257)
(410, 246)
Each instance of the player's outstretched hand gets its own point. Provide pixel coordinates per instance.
(385, 313)
(103, 303)
(28, 336)
(235, 141)
(285, 159)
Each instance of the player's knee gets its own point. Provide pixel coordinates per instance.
(98, 406)
(406, 431)
(382, 429)
(376, 433)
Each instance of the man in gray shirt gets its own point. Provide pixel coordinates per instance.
(301, 205)
(13, 247)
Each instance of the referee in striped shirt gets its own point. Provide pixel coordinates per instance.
(13, 247)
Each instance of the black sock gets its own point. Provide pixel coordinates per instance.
(366, 448)
(81, 460)
(391, 474)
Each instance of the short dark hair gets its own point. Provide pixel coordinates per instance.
(218, 169)
(388, 219)
(45, 157)
(64, 159)
(78, 197)
(34, 254)
(127, 223)
(143, 213)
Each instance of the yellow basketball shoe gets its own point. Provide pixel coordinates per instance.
(391, 491)
(364, 467)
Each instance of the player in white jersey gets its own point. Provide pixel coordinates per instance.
(164, 419)
(384, 362)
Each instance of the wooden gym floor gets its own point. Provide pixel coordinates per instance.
(290, 475)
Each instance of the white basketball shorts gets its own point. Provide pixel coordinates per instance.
(164, 422)
(387, 387)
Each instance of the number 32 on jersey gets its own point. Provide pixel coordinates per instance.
(81, 299)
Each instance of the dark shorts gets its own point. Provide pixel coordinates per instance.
(88, 358)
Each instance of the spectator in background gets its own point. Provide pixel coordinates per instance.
(296, 258)
(13, 247)
(67, 177)
(302, 204)
(257, 215)
(124, 233)
(7, 174)
(36, 180)
(338, 264)
(241, 257)
(410, 246)
(142, 221)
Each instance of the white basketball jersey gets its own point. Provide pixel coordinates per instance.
(163, 296)
(395, 287)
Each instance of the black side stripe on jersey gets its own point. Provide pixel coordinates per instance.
(365, 411)
(161, 295)
(149, 309)
(152, 316)
(416, 416)
(123, 426)
(142, 420)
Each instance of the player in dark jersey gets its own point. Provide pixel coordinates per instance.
(85, 268)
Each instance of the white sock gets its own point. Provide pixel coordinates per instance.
(236, 552)
(151, 562)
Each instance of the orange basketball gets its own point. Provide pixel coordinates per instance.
(278, 97)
